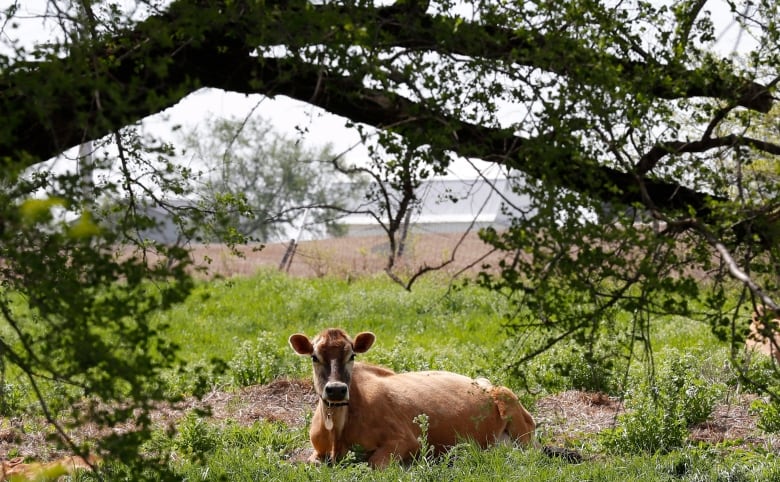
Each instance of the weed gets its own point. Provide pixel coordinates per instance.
(195, 437)
(426, 449)
(768, 415)
(12, 398)
(260, 361)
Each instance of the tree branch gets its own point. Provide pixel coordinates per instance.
(53, 105)
(649, 160)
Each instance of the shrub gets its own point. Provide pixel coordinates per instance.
(595, 374)
(197, 378)
(659, 415)
(195, 437)
(401, 358)
(568, 367)
(11, 399)
(648, 428)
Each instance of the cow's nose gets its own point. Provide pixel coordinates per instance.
(336, 391)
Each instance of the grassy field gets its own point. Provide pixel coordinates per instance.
(258, 428)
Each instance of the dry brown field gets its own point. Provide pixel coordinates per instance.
(455, 253)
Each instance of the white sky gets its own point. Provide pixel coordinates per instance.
(286, 115)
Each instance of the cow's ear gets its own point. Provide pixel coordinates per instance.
(301, 344)
(363, 342)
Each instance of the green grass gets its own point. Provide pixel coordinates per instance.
(257, 453)
(433, 329)
(246, 323)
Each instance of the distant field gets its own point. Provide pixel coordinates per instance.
(351, 256)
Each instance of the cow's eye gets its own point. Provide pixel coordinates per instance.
(314, 359)
(352, 357)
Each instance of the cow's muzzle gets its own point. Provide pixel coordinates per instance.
(336, 392)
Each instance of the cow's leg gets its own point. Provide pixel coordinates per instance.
(401, 449)
(316, 458)
(520, 424)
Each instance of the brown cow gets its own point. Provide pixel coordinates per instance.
(764, 334)
(375, 408)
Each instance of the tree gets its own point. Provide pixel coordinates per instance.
(79, 296)
(580, 101)
(274, 178)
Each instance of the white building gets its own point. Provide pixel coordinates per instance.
(449, 206)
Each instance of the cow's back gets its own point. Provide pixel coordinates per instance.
(457, 408)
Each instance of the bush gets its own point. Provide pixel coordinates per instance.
(659, 415)
(12, 398)
(195, 437)
(401, 358)
(197, 379)
(568, 367)
(648, 428)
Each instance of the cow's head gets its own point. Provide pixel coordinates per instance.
(332, 354)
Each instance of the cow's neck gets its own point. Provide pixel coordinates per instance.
(334, 416)
(334, 419)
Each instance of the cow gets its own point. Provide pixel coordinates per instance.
(764, 335)
(377, 409)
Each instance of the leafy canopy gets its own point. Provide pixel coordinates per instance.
(653, 181)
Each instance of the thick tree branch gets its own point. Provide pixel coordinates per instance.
(347, 97)
(649, 160)
(43, 121)
(565, 56)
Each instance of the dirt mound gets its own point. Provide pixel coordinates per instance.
(282, 400)
(566, 417)
(569, 415)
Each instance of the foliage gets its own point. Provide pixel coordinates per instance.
(196, 379)
(11, 399)
(194, 437)
(768, 415)
(599, 363)
(81, 286)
